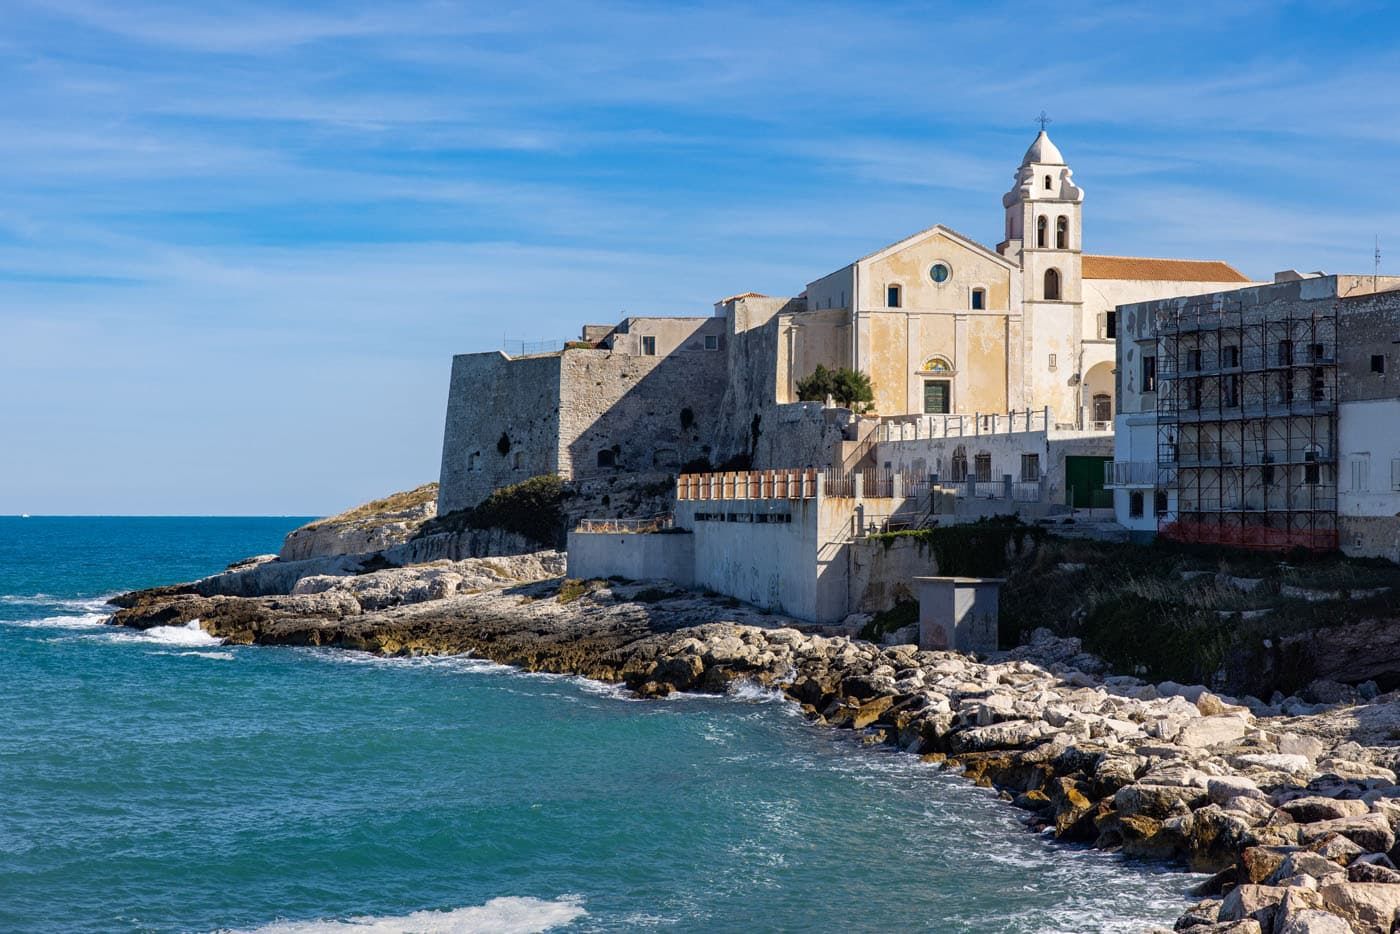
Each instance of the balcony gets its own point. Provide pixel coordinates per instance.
(1128, 474)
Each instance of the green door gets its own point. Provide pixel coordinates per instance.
(936, 397)
(1084, 482)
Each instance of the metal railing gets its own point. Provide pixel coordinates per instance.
(654, 524)
(928, 427)
(522, 348)
(1129, 473)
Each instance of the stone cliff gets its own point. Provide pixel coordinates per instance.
(370, 527)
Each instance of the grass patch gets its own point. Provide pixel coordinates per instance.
(395, 503)
(571, 590)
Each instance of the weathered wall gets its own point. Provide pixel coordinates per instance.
(671, 334)
(650, 556)
(1370, 536)
(834, 290)
(881, 573)
(797, 566)
(802, 434)
(804, 341)
(651, 413)
(492, 396)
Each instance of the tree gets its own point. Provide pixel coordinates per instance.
(817, 386)
(850, 388)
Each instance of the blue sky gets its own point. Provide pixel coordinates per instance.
(238, 245)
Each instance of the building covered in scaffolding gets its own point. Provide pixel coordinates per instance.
(1251, 418)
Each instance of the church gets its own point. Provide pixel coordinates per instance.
(943, 324)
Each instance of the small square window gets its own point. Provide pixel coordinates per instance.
(712, 342)
(1377, 363)
(979, 299)
(649, 346)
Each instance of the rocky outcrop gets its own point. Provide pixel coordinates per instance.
(1296, 820)
(370, 527)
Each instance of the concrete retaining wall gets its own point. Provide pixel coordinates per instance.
(646, 556)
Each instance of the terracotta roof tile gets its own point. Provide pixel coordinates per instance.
(735, 298)
(1142, 268)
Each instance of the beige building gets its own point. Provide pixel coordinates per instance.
(943, 324)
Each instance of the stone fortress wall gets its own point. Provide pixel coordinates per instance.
(502, 425)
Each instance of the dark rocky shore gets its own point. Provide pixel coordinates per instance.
(1296, 818)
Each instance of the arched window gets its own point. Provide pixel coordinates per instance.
(937, 365)
(1135, 504)
(1052, 285)
(1040, 227)
(1047, 183)
(1062, 233)
(959, 471)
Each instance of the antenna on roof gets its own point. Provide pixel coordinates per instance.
(1043, 120)
(1376, 273)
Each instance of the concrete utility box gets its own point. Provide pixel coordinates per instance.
(958, 613)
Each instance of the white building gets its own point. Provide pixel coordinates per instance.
(1265, 417)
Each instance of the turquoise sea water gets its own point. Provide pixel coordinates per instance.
(163, 782)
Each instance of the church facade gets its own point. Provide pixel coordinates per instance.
(943, 324)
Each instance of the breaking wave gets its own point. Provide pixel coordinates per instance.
(505, 915)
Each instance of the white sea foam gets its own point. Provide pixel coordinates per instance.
(506, 915)
(188, 634)
(83, 621)
(753, 691)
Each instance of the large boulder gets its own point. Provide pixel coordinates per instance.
(1368, 906)
(1206, 732)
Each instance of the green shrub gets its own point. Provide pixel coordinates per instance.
(571, 590)
(975, 549)
(903, 613)
(532, 508)
(850, 388)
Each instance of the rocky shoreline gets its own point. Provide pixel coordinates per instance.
(1296, 817)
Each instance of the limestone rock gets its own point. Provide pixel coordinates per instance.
(371, 527)
(1211, 731)
(1312, 921)
(1368, 906)
(1314, 808)
(1371, 832)
(1221, 789)
(1257, 902)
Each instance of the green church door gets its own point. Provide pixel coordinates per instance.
(1084, 482)
(936, 397)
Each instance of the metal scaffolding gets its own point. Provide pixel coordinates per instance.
(1247, 424)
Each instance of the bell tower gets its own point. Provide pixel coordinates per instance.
(1044, 214)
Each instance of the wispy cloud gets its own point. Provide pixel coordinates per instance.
(263, 215)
